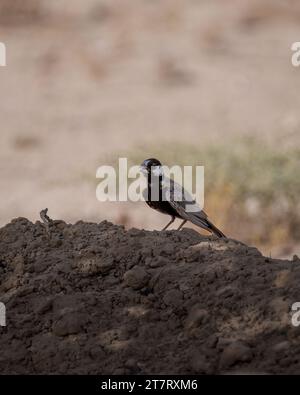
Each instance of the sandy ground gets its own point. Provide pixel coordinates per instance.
(96, 299)
(90, 83)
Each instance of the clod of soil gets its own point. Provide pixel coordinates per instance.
(97, 299)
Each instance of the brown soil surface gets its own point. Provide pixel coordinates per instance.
(97, 299)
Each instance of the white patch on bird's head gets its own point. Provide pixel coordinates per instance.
(152, 167)
(157, 171)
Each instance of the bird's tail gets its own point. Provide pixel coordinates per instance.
(214, 229)
(205, 224)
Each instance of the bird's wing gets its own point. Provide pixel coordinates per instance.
(179, 199)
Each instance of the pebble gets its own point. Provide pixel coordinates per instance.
(136, 278)
(235, 352)
(196, 317)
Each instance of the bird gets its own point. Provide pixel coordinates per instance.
(172, 199)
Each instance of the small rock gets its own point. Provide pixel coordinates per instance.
(225, 292)
(282, 346)
(233, 353)
(69, 324)
(160, 261)
(105, 266)
(136, 278)
(43, 306)
(94, 265)
(184, 286)
(196, 317)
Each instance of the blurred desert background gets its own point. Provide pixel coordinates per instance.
(190, 82)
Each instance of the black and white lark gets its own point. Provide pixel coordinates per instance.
(172, 199)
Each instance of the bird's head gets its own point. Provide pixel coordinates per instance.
(151, 166)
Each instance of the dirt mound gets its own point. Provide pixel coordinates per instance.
(94, 298)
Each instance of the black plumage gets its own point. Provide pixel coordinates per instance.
(171, 198)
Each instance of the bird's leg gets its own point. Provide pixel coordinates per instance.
(169, 223)
(182, 223)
